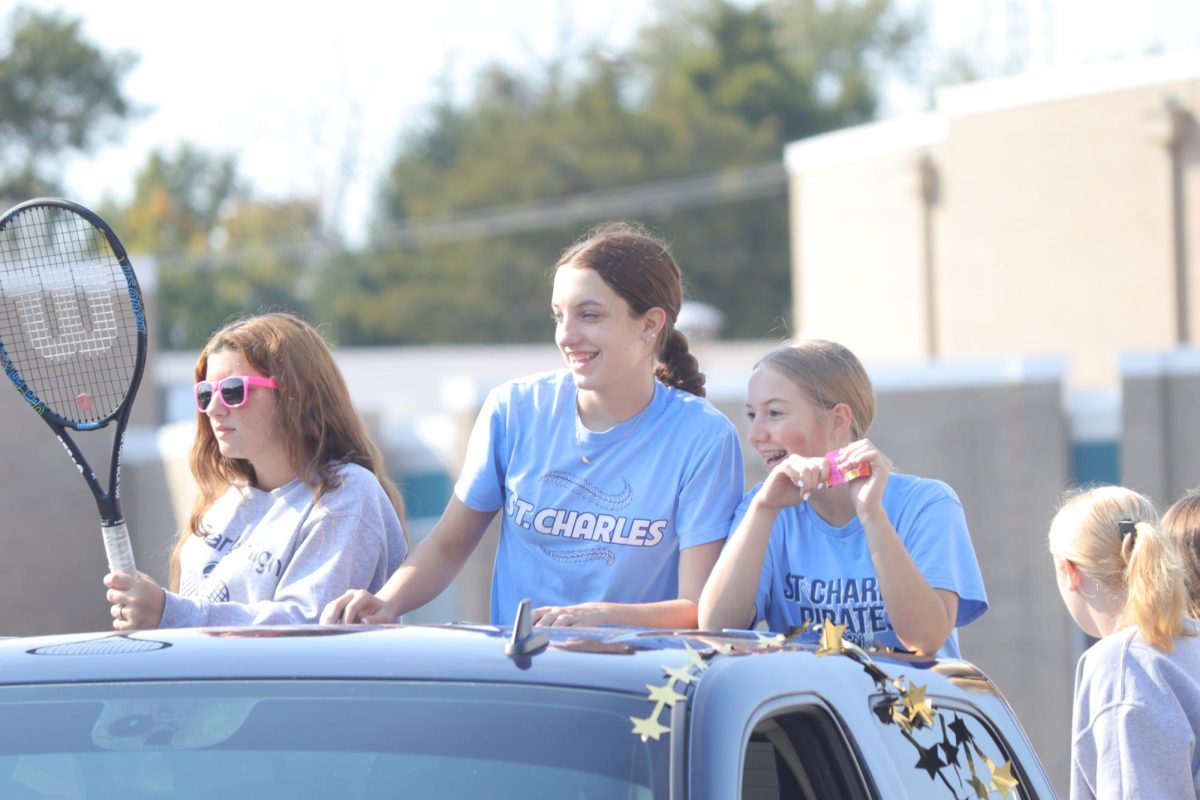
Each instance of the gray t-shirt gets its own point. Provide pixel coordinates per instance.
(278, 557)
(1136, 723)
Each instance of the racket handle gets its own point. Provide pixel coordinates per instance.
(118, 549)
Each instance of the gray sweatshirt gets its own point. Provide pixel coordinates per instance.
(1136, 723)
(278, 557)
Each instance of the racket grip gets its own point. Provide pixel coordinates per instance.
(118, 549)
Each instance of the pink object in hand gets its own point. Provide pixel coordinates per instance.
(838, 476)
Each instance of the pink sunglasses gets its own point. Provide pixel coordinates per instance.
(233, 390)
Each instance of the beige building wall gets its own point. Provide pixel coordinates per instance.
(1058, 217)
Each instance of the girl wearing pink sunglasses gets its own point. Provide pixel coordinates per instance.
(293, 504)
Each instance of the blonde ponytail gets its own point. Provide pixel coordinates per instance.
(1155, 597)
(1111, 533)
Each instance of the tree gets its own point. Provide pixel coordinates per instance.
(58, 93)
(723, 85)
(219, 252)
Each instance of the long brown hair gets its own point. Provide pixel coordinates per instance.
(638, 265)
(314, 412)
(1141, 567)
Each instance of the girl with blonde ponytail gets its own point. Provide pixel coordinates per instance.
(1136, 720)
(616, 480)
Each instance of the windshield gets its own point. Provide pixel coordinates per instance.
(324, 739)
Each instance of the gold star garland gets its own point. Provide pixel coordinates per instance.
(905, 706)
(665, 696)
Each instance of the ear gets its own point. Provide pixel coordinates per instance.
(841, 418)
(1072, 573)
(653, 322)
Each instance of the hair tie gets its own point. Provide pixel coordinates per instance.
(1128, 527)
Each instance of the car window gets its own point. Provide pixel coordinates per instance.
(957, 755)
(321, 739)
(800, 755)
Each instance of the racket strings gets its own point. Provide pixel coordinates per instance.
(66, 316)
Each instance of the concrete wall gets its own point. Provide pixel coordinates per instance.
(1160, 442)
(1048, 214)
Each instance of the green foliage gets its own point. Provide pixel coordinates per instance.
(218, 252)
(720, 85)
(58, 93)
(483, 195)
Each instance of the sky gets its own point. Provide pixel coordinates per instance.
(305, 94)
(299, 90)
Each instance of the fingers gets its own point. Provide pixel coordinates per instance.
(119, 580)
(122, 620)
(356, 605)
(554, 617)
(332, 613)
(808, 474)
(362, 605)
(343, 610)
(864, 451)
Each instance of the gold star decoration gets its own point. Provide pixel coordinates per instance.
(767, 642)
(900, 717)
(665, 694)
(649, 727)
(831, 639)
(919, 709)
(797, 631)
(904, 704)
(694, 658)
(1002, 777)
(679, 674)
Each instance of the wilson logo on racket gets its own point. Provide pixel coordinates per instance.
(63, 288)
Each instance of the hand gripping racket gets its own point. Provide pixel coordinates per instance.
(73, 337)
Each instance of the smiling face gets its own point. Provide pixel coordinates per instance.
(250, 432)
(604, 346)
(784, 420)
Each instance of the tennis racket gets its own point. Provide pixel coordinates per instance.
(73, 337)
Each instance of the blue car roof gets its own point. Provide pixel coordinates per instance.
(614, 659)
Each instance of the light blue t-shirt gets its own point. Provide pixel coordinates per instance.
(814, 571)
(609, 530)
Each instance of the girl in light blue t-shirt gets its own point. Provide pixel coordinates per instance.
(886, 556)
(615, 478)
